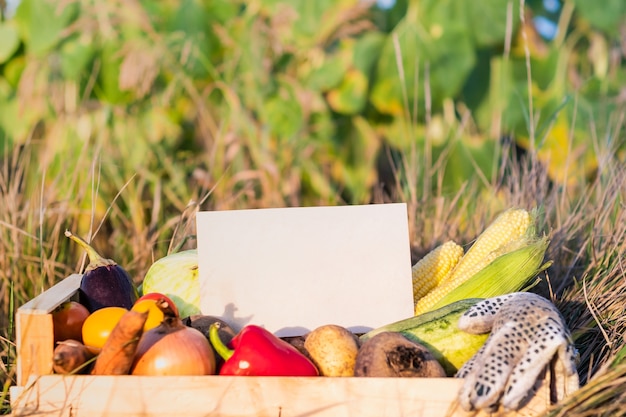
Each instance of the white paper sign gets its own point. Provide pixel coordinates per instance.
(291, 270)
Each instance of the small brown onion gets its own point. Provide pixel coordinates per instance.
(173, 349)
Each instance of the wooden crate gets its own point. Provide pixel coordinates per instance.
(40, 393)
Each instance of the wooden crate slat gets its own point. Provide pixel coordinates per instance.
(35, 345)
(97, 396)
(34, 332)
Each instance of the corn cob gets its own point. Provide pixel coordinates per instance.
(509, 272)
(433, 268)
(507, 227)
(505, 233)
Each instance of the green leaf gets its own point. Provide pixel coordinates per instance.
(283, 113)
(194, 21)
(606, 15)
(350, 97)
(41, 22)
(470, 157)
(484, 22)
(9, 41)
(366, 51)
(108, 87)
(13, 69)
(14, 123)
(314, 21)
(328, 75)
(487, 20)
(360, 162)
(444, 53)
(76, 54)
(361, 54)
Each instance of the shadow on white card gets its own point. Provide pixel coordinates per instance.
(291, 270)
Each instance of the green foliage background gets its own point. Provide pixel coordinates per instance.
(148, 109)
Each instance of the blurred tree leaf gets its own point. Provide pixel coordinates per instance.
(355, 166)
(366, 51)
(9, 125)
(487, 19)
(547, 70)
(76, 54)
(387, 18)
(607, 16)
(476, 95)
(328, 74)
(282, 112)
(440, 36)
(316, 182)
(311, 22)
(13, 70)
(351, 95)
(469, 157)
(358, 57)
(563, 149)
(108, 86)
(41, 22)
(445, 50)
(194, 21)
(402, 133)
(9, 41)
(17, 120)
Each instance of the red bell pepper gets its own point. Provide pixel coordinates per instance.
(257, 352)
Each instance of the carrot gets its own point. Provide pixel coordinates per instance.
(71, 357)
(118, 352)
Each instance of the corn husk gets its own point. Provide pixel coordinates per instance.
(510, 272)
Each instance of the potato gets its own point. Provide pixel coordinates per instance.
(333, 349)
(390, 354)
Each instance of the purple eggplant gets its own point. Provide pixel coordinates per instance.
(104, 282)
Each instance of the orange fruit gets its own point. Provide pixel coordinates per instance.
(98, 326)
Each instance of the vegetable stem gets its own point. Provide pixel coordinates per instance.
(220, 347)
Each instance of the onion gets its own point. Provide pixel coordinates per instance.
(173, 349)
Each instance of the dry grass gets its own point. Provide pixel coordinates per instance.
(587, 228)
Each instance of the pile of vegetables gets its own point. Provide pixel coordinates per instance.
(112, 329)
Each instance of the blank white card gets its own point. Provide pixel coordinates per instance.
(291, 270)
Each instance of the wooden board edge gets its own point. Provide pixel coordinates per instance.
(50, 299)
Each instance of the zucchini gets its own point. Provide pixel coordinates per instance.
(437, 330)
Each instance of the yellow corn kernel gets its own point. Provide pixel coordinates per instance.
(432, 269)
(500, 236)
(508, 227)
